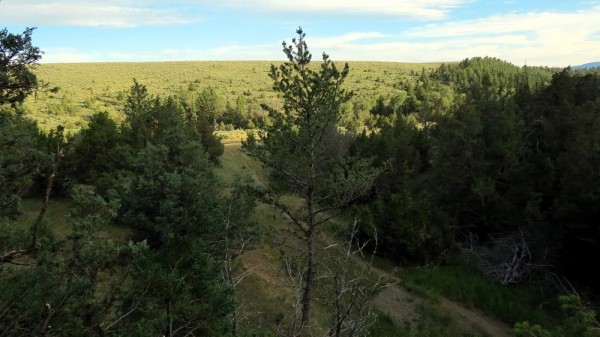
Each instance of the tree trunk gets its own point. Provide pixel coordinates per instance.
(308, 283)
(38, 222)
(310, 262)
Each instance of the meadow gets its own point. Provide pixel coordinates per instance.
(69, 93)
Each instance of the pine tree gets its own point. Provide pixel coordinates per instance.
(307, 153)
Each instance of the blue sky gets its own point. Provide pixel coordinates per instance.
(551, 33)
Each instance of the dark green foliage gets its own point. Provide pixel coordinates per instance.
(304, 146)
(171, 120)
(564, 165)
(478, 149)
(138, 100)
(103, 151)
(169, 194)
(17, 55)
(90, 286)
(22, 159)
(511, 148)
(168, 187)
(579, 320)
(169, 197)
(162, 186)
(97, 152)
(55, 291)
(177, 290)
(410, 227)
(210, 105)
(203, 128)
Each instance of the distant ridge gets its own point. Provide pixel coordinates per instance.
(587, 65)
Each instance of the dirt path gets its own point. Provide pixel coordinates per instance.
(402, 306)
(475, 319)
(250, 171)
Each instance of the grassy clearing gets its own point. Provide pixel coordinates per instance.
(466, 285)
(232, 137)
(55, 214)
(236, 163)
(55, 218)
(263, 296)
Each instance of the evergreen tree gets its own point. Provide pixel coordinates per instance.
(94, 152)
(22, 159)
(17, 55)
(307, 153)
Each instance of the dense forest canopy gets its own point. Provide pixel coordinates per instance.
(510, 149)
(479, 158)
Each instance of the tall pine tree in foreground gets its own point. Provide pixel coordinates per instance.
(308, 154)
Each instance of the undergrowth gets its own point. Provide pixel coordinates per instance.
(463, 283)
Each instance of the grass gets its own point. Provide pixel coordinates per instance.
(232, 137)
(466, 285)
(432, 323)
(385, 326)
(55, 214)
(263, 295)
(55, 218)
(75, 91)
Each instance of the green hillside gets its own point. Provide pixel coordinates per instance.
(72, 92)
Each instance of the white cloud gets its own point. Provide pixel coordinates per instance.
(345, 41)
(539, 38)
(418, 9)
(109, 13)
(549, 38)
(66, 55)
(131, 13)
(227, 52)
(540, 23)
(536, 38)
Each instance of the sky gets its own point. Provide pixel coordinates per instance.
(532, 32)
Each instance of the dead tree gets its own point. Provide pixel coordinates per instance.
(345, 285)
(348, 285)
(509, 258)
(295, 281)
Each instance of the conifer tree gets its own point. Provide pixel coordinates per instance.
(307, 153)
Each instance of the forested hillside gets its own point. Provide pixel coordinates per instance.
(480, 179)
(485, 148)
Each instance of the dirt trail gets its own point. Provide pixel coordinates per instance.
(403, 306)
(252, 173)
